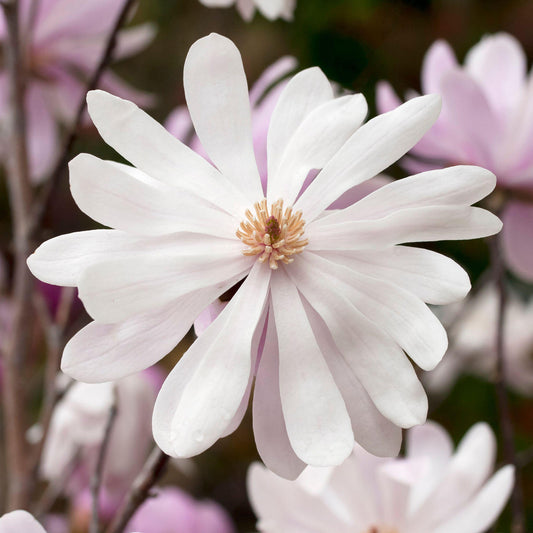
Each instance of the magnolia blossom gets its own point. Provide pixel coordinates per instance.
(473, 344)
(77, 429)
(62, 47)
(331, 296)
(486, 120)
(174, 511)
(432, 489)
(271, 9)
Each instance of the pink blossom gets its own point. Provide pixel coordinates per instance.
(271, 9)
(432, 489)
(174, 511)
(486, 120)
(62, 47)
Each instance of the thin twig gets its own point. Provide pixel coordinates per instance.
(96, 480)
(20, 196)
(504, 411)
(140, 490)
(41, 205)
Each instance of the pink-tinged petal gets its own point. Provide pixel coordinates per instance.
(434, 278)
(275, 72)
(20, 522)
(152, 149)
(358, 192)
(131, 41)
(396, 311)
(113, 195)
(61, 260)
(371, 149)
(204, 319)
(202, 394)
(270, 431)
(113, 84)
(466, 472)
(303, 93)
(42, 133)
(179, 123)
(318, 424)
(371, 429)
(105, 352)
(517, 237)
(320, 135)
(376, 360)
(453, 186)
(115, 290)
(386, 97)
(419, 224)
(217, 97)
(275, 499)
(483, 510)
(246, 8)
(271, 9)
(439, 59)
(499, 64)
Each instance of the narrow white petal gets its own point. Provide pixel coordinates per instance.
(371, 429)
(418, 224)
(109, 195)
(371, 149)
(434, 278)
(202, 394)
(147, 145)
(320, 135)
(115, 290)
(303, 93)
(270, 432)
(20, 522)
(376, 360)
(318, 424)
(217, 97)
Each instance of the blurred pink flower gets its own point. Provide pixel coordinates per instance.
(62, 47)
(174, 511)
(344, 302)
(271, 9)
(78, 426)
(473, 344)
(486, 120)
(430, 490)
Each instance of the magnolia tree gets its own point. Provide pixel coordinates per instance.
(308, 287)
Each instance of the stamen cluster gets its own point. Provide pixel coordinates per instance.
(275, 235)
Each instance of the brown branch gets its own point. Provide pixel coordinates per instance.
(51, 185)
(20, 196)
(96, 480)
(140, 491)
(504, 410)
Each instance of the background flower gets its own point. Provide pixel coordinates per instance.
(271, 9)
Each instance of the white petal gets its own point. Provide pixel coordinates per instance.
(371, 149)
(304, 92)
(320, 135)
(453, 186)
(419, 224)
(202, 394)
(115, 290)
(397, 312)
(371, 429)
(115, 198)
(483, 510)
(434, 278)
(270, 432)
(105, 352)
(379, 364)
(152, 149)
(217, 98)
(20, 522)
(318, 424)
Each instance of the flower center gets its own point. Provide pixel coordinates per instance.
(275, 234)
(381, 529)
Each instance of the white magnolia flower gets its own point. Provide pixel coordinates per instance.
(343, 298)
(431, 490)
(271, 9)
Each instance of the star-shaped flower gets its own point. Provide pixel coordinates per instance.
(329, 299)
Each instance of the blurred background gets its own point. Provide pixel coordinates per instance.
(356, 43)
